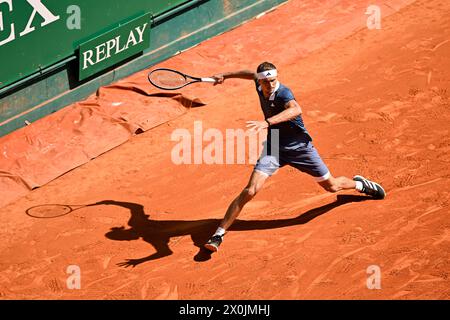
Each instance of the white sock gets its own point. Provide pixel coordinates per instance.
(220, 232)
(359, 186)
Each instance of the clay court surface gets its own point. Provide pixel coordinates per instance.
(376, 103)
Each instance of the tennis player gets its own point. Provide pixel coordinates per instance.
(283, 115)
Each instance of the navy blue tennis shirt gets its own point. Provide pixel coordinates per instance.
(292, 133)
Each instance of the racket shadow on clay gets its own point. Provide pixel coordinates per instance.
(164, 235)
(48, 211)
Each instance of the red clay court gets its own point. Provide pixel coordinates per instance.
(376, 103)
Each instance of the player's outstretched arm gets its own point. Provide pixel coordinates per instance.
(242, 74)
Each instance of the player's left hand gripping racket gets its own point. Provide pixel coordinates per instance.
(168, 79)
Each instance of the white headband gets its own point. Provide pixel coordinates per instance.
(267, 74)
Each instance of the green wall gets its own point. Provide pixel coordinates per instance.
(60, 37)
(60, 86)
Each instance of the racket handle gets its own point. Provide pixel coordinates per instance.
(212, 80)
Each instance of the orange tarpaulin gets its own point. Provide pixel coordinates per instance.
(36, 154)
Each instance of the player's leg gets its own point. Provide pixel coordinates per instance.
(358, 183)
(255, 184)
(264, 168)
(333, 184)
(307, 159)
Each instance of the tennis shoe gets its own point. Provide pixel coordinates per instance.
(371, 188)
(214, 243)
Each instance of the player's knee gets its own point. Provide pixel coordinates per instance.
(250, 192)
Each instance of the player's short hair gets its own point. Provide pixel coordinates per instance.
(265, 66)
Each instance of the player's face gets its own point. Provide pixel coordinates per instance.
(268, 85)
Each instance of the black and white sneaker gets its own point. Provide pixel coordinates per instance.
(371, 188)
(214, 243)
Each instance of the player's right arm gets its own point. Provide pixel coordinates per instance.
(242, 74)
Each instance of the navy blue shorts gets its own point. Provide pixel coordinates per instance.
(304, 157)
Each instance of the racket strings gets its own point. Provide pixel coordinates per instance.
(167, 79)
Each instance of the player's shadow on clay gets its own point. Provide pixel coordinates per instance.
(158, 233)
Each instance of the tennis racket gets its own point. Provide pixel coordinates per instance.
(168, 79)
